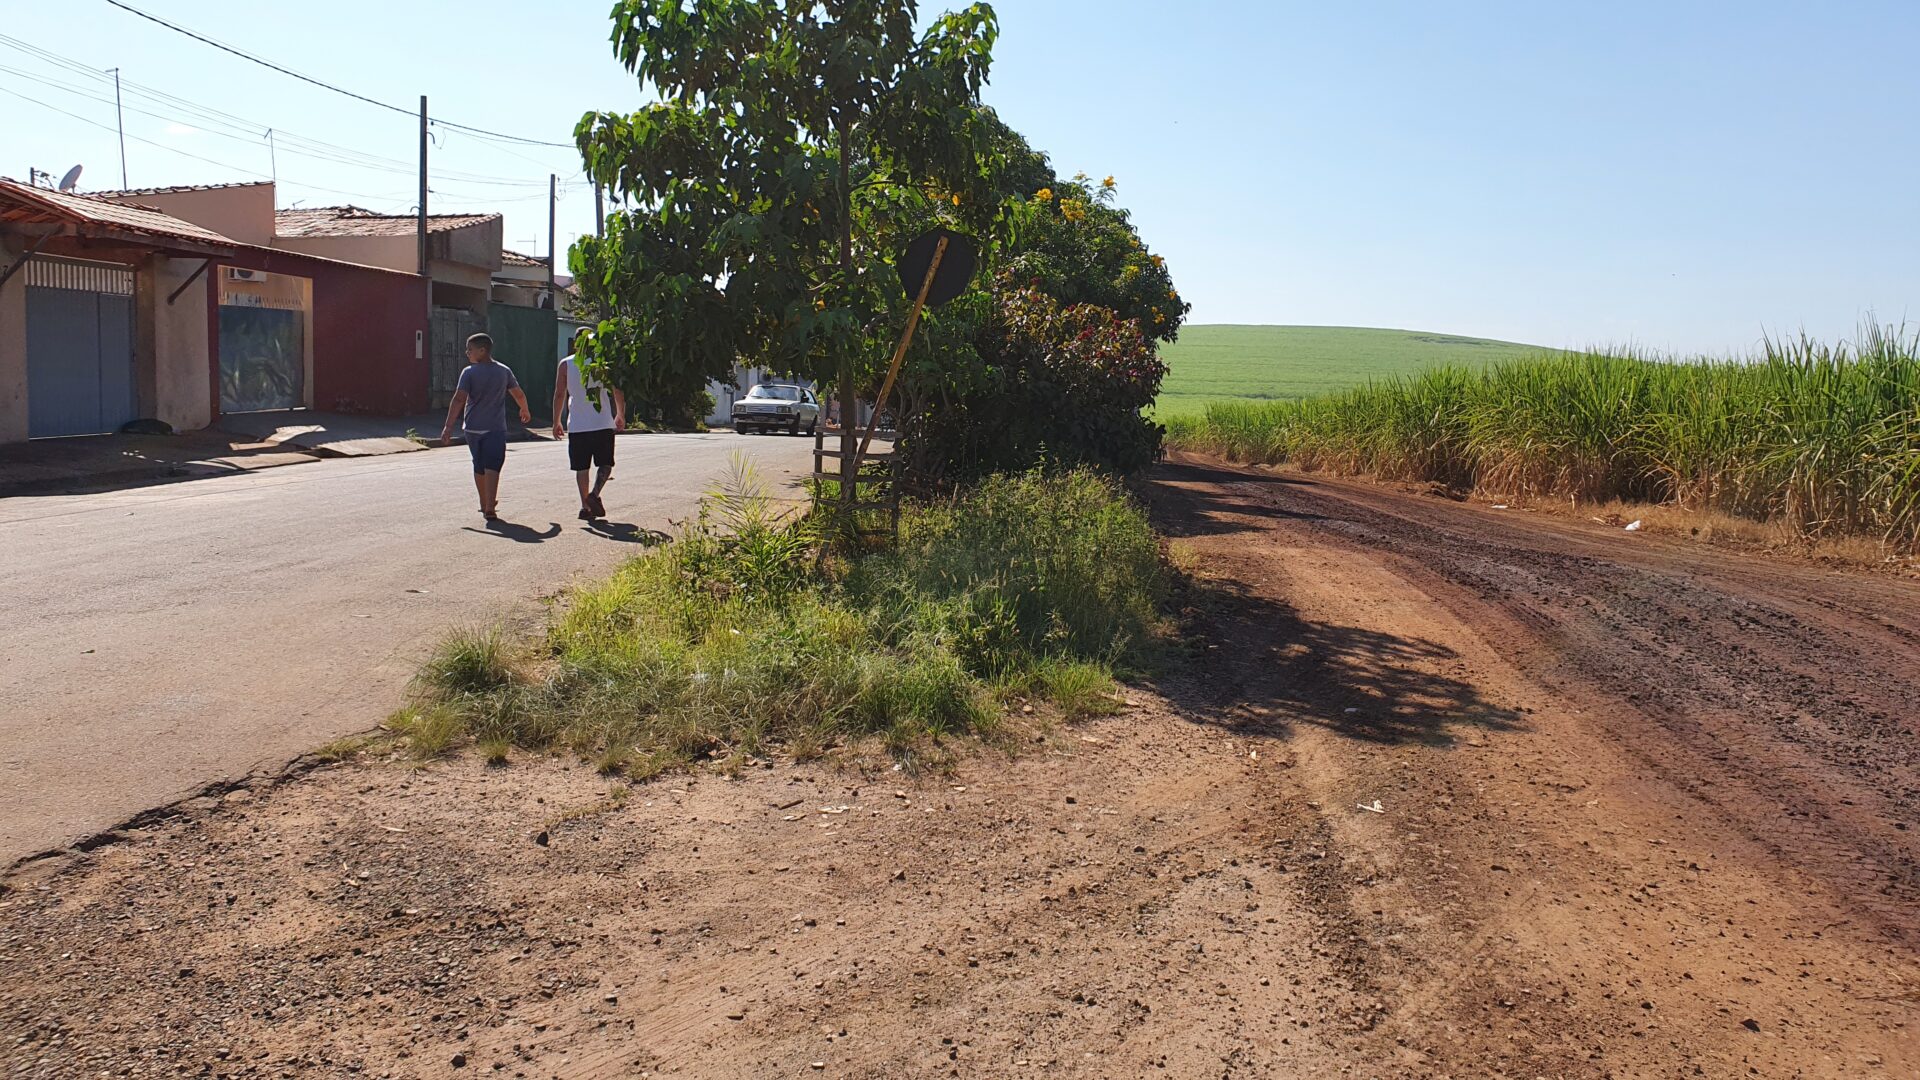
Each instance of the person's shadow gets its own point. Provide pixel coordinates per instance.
(521, 534)
(626, 533)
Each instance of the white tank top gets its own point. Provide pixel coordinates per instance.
(581, 414)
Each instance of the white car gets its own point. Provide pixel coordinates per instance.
(771, 406)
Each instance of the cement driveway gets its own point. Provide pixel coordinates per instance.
(158, 639)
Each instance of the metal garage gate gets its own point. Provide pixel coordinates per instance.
(79, 347)
(451, 327)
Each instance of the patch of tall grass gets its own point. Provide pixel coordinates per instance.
(1824, 438)
(735, 639)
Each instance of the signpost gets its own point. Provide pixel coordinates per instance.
(935, 268)
(940, 262)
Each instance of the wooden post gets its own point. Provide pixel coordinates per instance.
(900, 353)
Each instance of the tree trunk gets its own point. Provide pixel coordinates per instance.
(849, 410)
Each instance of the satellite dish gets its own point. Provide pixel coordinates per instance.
(68, 181)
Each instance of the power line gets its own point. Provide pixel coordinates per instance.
(386, 198)
(175, 150)
(209, 117)
(252, 140)
(242, 54)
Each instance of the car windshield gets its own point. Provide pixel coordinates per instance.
(769, 392)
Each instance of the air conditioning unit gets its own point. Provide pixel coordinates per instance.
(236, 273)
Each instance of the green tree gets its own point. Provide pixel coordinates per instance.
(778, 122)
(1057, 361)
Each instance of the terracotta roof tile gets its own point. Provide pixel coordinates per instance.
(514, 258)
(175, 189)
(20, 202)
(355, 221)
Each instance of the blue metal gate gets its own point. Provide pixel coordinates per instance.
(79, 348)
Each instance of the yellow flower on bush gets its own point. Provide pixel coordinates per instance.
(1158, 261)
(1045, 194)
(1107, 183)
(1159, 316)
(956, 200)
(1073, 209)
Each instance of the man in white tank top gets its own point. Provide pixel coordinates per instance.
(593, 413)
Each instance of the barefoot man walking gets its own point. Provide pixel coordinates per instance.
(594, 413)
(482, 391)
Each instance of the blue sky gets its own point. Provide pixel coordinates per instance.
(1684, 176)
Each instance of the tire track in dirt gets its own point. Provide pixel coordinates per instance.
(1583, 849)
(1775, 701)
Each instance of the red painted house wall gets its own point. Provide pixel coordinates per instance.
(364, 323)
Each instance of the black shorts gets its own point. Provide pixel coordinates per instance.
(585, 448)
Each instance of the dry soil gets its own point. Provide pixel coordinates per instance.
(1442, 792)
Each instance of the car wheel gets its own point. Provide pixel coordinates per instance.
(793, 428)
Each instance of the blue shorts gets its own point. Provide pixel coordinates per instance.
(489, 450)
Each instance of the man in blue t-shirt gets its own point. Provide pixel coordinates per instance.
(485, 384)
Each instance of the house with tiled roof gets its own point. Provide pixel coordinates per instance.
(102, 314)
(523, 280)
(463, 250)
(176, 305)
(195, 301)
(462, 253)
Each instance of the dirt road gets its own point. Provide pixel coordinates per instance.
(1445, 792)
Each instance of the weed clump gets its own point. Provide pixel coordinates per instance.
(737, 638)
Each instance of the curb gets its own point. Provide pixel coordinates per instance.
(131, 478)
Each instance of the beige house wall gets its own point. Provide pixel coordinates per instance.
(13, 347)
(475, 245)
(462, 274)
(239, 213)
(183, 356)
(400, 253)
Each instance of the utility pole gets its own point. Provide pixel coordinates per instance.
(273, 158)
(599, 211)
(553, 262)
(123, 128)
(423, 194)
(426, 332)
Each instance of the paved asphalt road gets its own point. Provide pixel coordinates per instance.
(157, 639)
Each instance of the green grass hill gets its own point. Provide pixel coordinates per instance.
(1223, 363)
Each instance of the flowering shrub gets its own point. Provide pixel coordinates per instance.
(1052, 358)
(1073, 243)
(1059, 384)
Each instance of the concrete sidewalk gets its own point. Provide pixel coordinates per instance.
(241, 442)
(93, 462)
(334, 434)
(238, 443)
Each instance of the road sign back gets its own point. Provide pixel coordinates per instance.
(956, 266)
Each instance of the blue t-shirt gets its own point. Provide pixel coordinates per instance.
(486, 387)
